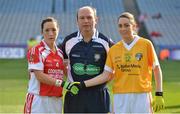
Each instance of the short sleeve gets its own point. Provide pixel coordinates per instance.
(109, 64)
(153, 59)
(34, 59)
(63, 48)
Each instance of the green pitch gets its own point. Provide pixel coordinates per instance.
(14, 80)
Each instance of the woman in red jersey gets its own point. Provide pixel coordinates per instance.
(46, 71)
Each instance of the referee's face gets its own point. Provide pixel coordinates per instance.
(86, 20)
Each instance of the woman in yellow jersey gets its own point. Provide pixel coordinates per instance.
(131, 62)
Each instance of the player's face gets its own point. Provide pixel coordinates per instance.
(86, 20)
(50, 32)
(126, 28)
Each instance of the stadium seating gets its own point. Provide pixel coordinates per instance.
(168, 24)
(20, 19)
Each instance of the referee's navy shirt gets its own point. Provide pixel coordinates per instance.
(87, 59)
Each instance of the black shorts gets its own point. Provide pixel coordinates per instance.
(88, 101)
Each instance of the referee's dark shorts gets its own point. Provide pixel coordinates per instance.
(89, 100)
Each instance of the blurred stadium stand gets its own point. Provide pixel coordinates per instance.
(20, 19)
(167, 25)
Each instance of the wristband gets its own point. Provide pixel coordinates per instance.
(58, 83)
(83, 85)
(159, 94)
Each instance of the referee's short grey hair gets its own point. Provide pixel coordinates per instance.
(88, 7)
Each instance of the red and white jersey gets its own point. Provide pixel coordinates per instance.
(42, 58)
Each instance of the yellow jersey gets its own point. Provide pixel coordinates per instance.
(132, 65)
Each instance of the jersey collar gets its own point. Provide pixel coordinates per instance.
(128, 47)
(95, 35)
(47, 47)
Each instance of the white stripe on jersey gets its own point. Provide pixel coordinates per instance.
(128, 47)
(60, 54)
(44, 54)
(108, 69)
(37, 66)
(70, 43)
(156, 61)
(103, 42)
(34, 84)
(28, 104)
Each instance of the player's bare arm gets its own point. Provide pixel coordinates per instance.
(158, 78)
(65, 66)
(104, 77)
(44, 78)
(158, 101)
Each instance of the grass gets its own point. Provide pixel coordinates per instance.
(171, 86)
(14, 80)
(13, 85)
(12, 95)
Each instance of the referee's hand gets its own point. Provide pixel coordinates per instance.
(71, 86)
(74, 88)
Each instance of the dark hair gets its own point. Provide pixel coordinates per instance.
(93, 9)
(48, 19)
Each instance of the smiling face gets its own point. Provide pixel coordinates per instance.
(126, 29)
(50, 31)
(127, 26)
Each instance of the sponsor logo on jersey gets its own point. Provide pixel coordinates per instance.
(75, 55)
(56, 73)
(128, 67)
(78, 68)
(98, 46)
(81, 69)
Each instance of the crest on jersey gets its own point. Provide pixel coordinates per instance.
(139, 56)
(57, 64)
(97, 57)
